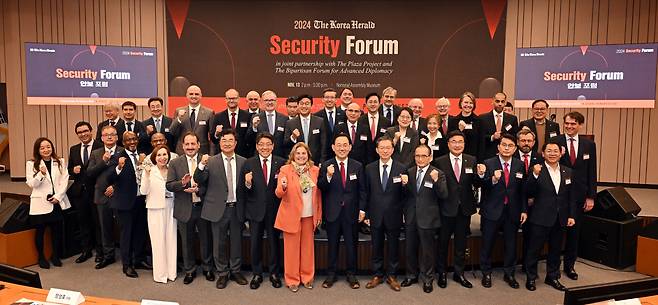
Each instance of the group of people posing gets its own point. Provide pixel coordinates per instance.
(207, 176)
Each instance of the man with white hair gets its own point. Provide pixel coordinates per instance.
(442, 108)
(111, 111)
(269, 121)
(388, 109)
(418, 123)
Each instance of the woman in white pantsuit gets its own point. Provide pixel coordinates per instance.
(161, 222)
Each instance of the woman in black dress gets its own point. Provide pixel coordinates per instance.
(468, 123)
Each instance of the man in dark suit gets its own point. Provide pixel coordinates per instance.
(111, 111)
(158, 122)
(377, 125)
(253, 103)
(130, 207)
(232, 118)
(554, 208)
(218, 176)
(502, 206)
(385, 182)
(445, 120)
(269, 121)
(343, 190)
(418, 123)
(422, 217)
(194, 118)
(462, 176)
(543, 128)
(388, 109)
(99, 162)
(309, 129)
(257, 182)
(580, 155)
(333, 117)
(130, 123)
(493, 124)
(357, 131)
(187, 209)
(81, 192)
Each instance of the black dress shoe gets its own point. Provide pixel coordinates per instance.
(511, 281)
(129, 271)
(530, 285)
(459, 278)
(329, 281)
(256, 281)
(408, 282)
(428, 287)
(43, 263)
(275, 280)
(442, 280)
(56, 261)
(486, 281)
(222, 281)
(98, 259)
(555, 284)
(104, 263)
(238, 278)
(84, 256)
(571, 274)
(189, 277)
(143, 265)
(210, 276)
(353, 281)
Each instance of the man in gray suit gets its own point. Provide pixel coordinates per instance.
(218, 176)
(187, 208)
(192, 118)
(99, 162)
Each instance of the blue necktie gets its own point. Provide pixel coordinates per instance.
(331, 120)
(419, 180)
(384, 177)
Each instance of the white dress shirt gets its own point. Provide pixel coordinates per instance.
(575, 144)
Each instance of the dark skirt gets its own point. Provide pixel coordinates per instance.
(54, 216)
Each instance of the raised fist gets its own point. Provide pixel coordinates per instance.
(536, 169)
(107, 156)
(434, 174)
(497, 174)
(181, 113)
(204, 159)
(218, 129)
(248, 177)
(255, 121)
(331, 170)
(141, 158)
(150, 129)
(405, 179)
(43, 169)
(481, 168)
(122, 162)
(296, 134)
(462, 125)
(77, 169)
(284, 182)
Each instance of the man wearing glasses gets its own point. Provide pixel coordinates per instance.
(269, 121)
(543, 128)
(232, 118)
(494, 124)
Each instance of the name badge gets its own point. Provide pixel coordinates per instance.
(567, 181)
(61, 296)
(383, 130)
(519, 175)
(353, 177)
(279, 128)
(468, 126)
(276, 176)
(552, 134)
(166, 130)
(243, 124)
(428, 184)
(397, 180)
(406, 140)
(468, 170)
(202, 123)
(315, 131)
(508, 127)
(363, 138)
(586, 157)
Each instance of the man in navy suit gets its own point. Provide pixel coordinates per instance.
(543, 128)
(551, 185)
(357, 132)
(257, 182)
(376, 125)
(580, 155)
(158, 122)
(342, 184)
(388, 109)
(493, 124)
(333, 116)
(111, 112)
(232, 118)
(130, 123)
(309, 129)
(269, 121)
(525, 142)
(502, 206)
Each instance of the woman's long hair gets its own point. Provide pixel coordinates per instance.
(291, 156)
(36, 156)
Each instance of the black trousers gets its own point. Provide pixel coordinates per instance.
(411, 244)
(427, 254)
(106, 221)
(392, 235)
(56, 238)
(571, 243)
(490, 232)
(228, 224)
(458, 226)
(256, 230)
(346, 227)
(87, 217)
(539, 236)
(187, 232)
(133, 226)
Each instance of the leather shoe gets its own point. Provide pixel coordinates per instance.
(221, 282)
(308, 285)
(353, 282)
(210, 276)
(555, 284)
(293, 288)
(43, 263)
(98, 259)
(428, 287)
(459, 278)
(442, 280)
(189, 277)
(104, 263)
(143, 265)
(486, 281)
(275, 280)
(56, 261)
(511, 281)
(329, 281)
(571, 273)
(530, 285)
(84, 256)
(129, 271)
(408, 282)
(374, 282)
(393, 283)
(238, 278)
(256, 281)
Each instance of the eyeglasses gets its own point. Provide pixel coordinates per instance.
(109, 134)
(456, 142)
(507, 145)
(83, 131)
(269, 100)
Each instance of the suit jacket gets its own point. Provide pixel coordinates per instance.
(339, 119)
(384, 205)
(317, 140)
(213, 180)
(409, 142)
(140, 130)
(422, 205)
(535, 158)
(164, 129)
(439, 146)
(359, 143)
(279, 131)
(43, 185)
(243, 147)
(371, 144)
(125, 183)
(97, 170)
(489, 147)
(335, 197)
(473, 138)
(153, 185)
(396, 112)
(548, 205)
(552, 130)
(288, 218)
(182, 200)
(82, 184)
(584, 170)
(422, 125)
(201, 128)
(260, 198)
(493, 195)
(461, 197)
(119, 125)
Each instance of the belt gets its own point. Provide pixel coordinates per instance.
(230, 204)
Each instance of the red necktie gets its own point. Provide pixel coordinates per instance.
(353, 134)
(506, 173)
(373, 128)
(342, 173)
(457, 169)
(526, 162)
(572, 152)
(233, 120)
(265, 171)
(413, 124)
(444, 126)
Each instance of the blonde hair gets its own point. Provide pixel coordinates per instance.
(291, 156)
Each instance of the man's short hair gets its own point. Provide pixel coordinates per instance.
(524, 132)
(155, 99)
(579, 117)
(129, 103)
(83, 123)
(456, 133)
(371, 94)
(292, 99)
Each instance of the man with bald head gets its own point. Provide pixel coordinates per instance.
(232, 118)
(495, 123)
(419, 123)
(192, 118)
(269, 121)
(357, 132)
(253, 102)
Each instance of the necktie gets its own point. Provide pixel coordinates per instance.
(384, 177)
(157, 125)
(413, 124)
(572, 152)
(373, 128)
(388, 115)
(130, 126)
(265, 171)
(342, 173)
(353, 134)
(499, 122)
(419, 179)
(270, 123)
(193, 118)
(457, 169)
(526, 162)
(305, 130)
(506, 173)
(133, 156)
(444, 126)
(233, 120)
(85, 155)
(111, 123)
(229, 180)
(195, 198)
(331, 120)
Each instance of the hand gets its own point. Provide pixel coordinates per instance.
(77, 169)
(150, 129)
(434, 174)
(462, 125)
(423, 140)
(571, 222)
(367, 222)
(204, 159)
(53, 200)
(141, 158)
(536, 169)
(330, 170)
(181, 113)
(496, 176)
(284, 182)
(397, 136)
(147, 169)
(109, 191)
(524, 217)
(106, 156)
(589, 204)
(43, 170)
(318, 223)
(248, 177)
(192, 189)
(296, 134)
(122, 162)
(362, 216)
(186, 179)
(481, 168)
(563, 150)
(255, 121)
(218, 129)
(404, 178)
(496, 135)
(531, 201)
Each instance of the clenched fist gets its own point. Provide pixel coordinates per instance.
(331, 170)
(181, 113)
(481, 168)
(122, 162)
(404, 178)
(204, 159)
(284, 182)
(462, 125)
(255, 121)
(296, 134)
(434, 174)
(248, 177)
(77, 169)
(107, 156)
(218, 129)
(536, 169)
(496, 175)
(150, 129)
